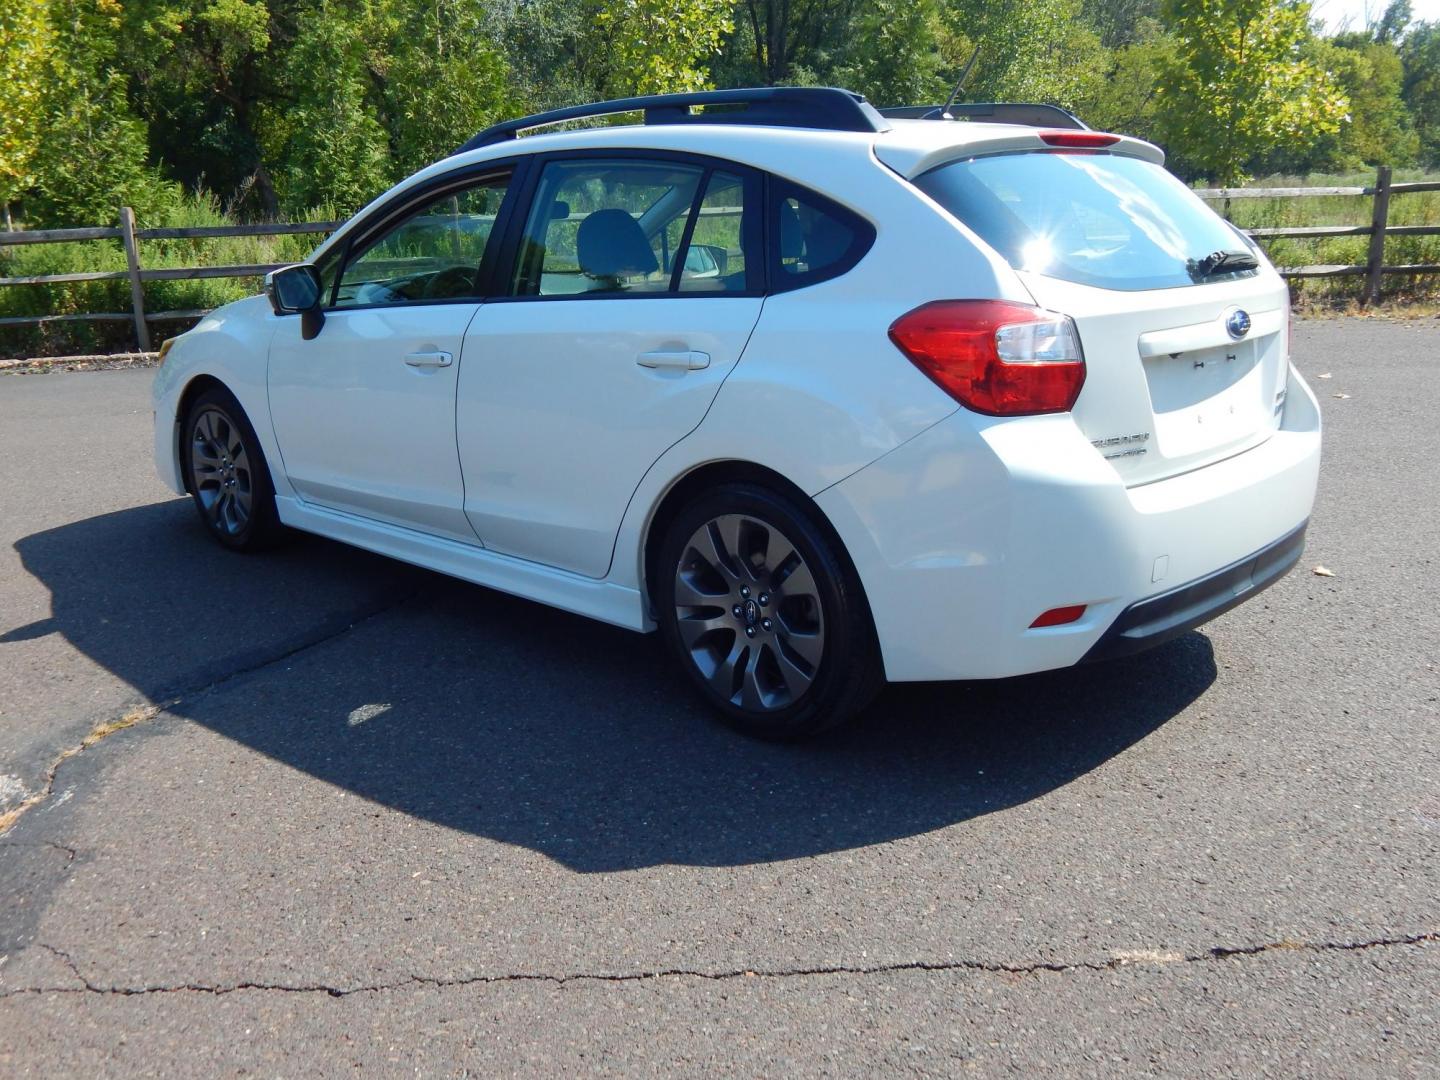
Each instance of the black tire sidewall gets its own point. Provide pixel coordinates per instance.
(848, 674)
(264, 524)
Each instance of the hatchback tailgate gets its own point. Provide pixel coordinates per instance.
(1169, 384)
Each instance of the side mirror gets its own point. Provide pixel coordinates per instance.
(296, 290)
(710, 260)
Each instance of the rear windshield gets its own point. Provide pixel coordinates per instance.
(1097, 219)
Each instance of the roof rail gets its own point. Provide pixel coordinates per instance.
(1028, 114)
(824, 107)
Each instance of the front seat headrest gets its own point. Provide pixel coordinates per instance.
(609, 243)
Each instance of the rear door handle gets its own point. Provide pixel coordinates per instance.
(429, 359)
(684, 360)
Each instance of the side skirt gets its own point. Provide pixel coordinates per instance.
(614, 604)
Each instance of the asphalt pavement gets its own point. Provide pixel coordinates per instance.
(316, 812)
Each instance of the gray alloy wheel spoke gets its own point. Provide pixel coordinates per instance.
(752, 694)
(203, 455)
(687, 595)
(692, 629)
(809, 647)
(223, 433)
(760, 643)
(728, 530)
(241, 506)
(723, 677)
(778, 552)
(706, 543)
(797, 681)
(797, 582)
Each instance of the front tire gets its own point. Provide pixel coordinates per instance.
(765, 614)
(226, 473)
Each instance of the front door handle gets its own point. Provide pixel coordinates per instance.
(429, 359)
(683, 359)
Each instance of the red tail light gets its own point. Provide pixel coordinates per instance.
(994, 356)
(1089, 140)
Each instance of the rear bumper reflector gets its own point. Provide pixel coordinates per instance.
(1157, 619)
(1059, 616)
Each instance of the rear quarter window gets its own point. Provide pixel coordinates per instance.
(813, 239)
(1094, 218)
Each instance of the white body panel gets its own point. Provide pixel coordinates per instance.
(364, 415)
(564, 405)
(965, 535)
(963, 528)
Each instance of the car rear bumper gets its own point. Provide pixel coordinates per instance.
(1157, 619)
(967, 533)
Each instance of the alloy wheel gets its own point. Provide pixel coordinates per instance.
(749, 612)
(220, 471)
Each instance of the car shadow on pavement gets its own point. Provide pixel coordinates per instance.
(509, 720)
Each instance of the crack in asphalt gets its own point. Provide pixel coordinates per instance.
(140, 714)
(1153, 959)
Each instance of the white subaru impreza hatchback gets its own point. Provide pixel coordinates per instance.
(826, 395)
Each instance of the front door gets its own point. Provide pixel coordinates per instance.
(632, 298)
(365, 412)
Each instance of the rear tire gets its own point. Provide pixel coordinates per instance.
(226, 473)
(765, 614)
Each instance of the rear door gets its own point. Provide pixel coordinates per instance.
(1183, 367)
(609, 349)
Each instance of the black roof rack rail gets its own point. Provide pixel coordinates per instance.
(1027, 114)
(824, 107)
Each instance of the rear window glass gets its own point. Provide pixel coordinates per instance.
(1097, 219)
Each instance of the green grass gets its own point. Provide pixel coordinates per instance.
(1421, 208)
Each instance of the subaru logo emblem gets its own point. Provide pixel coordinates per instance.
(1237, 324)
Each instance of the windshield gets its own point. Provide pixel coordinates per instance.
(1097, 219)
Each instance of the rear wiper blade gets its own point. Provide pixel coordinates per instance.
(1223, 262)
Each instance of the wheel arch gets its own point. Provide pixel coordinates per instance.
(196, 386)
(689, 484)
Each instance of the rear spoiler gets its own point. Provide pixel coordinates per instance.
(1025, 114)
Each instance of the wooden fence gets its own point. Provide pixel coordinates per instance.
(130, 237)
(1378, 229)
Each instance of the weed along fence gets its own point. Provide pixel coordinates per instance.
(132, 240)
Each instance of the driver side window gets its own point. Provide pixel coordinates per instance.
(431, 254)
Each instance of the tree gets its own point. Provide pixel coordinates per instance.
(1126, 99)
(1121, 22)
(1030, 50)
(25, 44)
(790, 36)
(896, 57)
(661, 46)
(1391, 27)
(1240, 86)
(403, 85)
(1376, 129)
(1420, 88)
(90, 153)
(202, 72)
